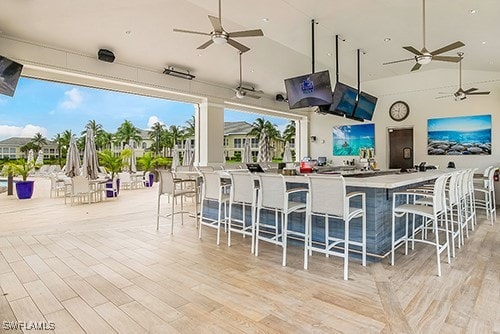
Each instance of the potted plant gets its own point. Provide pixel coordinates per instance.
(148, 164)
(113, 164)
(24, 188)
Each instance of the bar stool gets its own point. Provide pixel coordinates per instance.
(432, 213)
(487, 189)
(243, 193)
(468, 202)
(274, 196)
(170, 188)
(213, 190)
(328, 199)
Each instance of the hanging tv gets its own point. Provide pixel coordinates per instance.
(10, 71)
(343, 101)
(365, 106)
(309, 90)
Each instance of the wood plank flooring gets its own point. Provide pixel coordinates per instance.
(103, 268)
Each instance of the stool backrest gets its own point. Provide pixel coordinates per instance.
(166, 182)
(211, 185)
(242, 187)
(271, 191)
(439, 202)
(327, 195)
(80, 184)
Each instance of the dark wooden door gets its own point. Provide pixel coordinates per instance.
(401, 148)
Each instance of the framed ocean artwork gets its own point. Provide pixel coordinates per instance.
(350, 140)
(464, 135)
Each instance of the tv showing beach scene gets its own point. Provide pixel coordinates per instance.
(349, 140)
(465, 135)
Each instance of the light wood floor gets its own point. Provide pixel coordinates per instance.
(104, 268)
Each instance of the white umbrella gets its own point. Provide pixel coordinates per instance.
(175, 158)
(39, 158)
(263, 148)
(247, 153)
(90, 162)
(188, 154)
(287, 154)
(31, 156)
(72, 166)
(132, 159)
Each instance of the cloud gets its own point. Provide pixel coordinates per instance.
(28, 131)
(73, 99)
(152, 120)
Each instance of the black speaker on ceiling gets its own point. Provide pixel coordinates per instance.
(106, 55)
(280, 97)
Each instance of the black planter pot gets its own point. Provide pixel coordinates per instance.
(24, 189)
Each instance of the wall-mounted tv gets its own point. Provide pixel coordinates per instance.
(10, 71)
(309, 90)
(365, 106)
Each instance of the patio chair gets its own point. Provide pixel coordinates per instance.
(213, 190)
(80, 189)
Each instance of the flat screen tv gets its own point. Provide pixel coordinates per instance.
(10, 71)
(343, 101)
(309, 90)
(365, 106)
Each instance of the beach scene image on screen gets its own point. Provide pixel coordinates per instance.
(348, 140)
(465, 135)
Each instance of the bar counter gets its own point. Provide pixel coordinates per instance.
(378, 187)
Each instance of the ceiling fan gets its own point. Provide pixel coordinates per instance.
(241, 92)
(461, 94)
(424, 57)
(220, 36)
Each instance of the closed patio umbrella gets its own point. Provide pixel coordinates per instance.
(90, 162)
(287, 154)
(39, 158)
(132, 159)
(72, 166)
(31, 156)
(188, 154)
(175, 157)
(247, 153)
(264, 151)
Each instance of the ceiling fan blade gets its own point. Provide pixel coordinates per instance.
(216, 23)
(447, 48)
(447, 58)
(205, 45)
(398, 61)
(478, 93)
(246, 33)
(412, 50)
(192, 32)
(447, 93)
(237, 45)
(470, 90)
(416, 67)
(445, 96)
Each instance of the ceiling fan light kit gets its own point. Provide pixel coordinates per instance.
(424, 57)
(220, 36)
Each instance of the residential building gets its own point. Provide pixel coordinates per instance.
(10, 148)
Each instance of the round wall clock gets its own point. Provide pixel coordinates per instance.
(399, 110)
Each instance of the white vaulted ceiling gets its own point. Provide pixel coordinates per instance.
(139, 32)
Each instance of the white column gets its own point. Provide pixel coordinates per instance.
(210, 132)
(301, 138)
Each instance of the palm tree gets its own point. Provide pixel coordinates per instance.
(172, 136)
(260, 125)
(66, 138)
(58, 139)
(104, 140)
(38, 141)
(127, 132)
(289, 132)
(189, 128)
(156, 134)
(94, 126)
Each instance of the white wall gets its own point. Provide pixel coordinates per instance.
(420, 90)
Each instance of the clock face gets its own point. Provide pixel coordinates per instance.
(399, 111)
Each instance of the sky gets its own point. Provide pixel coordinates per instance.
(51, 108)
(462, 123)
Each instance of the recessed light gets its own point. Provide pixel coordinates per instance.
(200, 54)
(387, 39)
(265, 19)
(484, 42)
(252, 71)
(329, 54)
(128, 32)
(473, 11)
